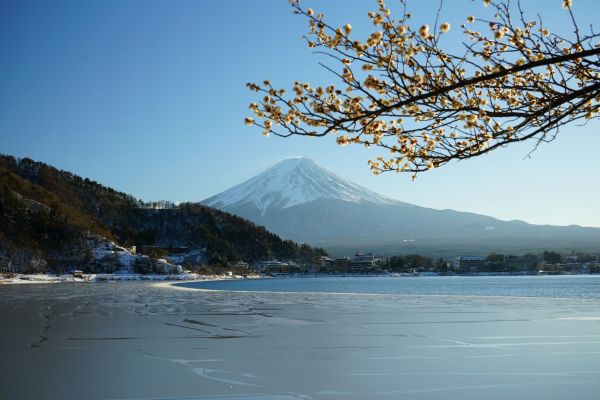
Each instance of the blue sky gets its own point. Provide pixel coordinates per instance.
(149, 97)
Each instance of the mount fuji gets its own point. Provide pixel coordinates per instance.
(299, 200)
(293, 182)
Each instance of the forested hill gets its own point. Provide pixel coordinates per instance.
(49, 215)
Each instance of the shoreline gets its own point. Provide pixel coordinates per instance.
(24, 279)
(16, 279)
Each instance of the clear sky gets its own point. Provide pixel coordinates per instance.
(149, 97)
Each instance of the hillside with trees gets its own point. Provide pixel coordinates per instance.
(48, 218)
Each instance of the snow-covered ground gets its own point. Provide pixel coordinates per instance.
(111, 249)
(38, 278)
(52, 278)
(108, 249)
(103, 249)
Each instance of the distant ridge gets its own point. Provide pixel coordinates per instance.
(300, 200)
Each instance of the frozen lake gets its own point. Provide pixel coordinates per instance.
(571, 286)
(133, 340)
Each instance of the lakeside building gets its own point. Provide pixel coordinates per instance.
(359, 263)
(240, 265)
(571, 259)
(468, 264)
(571, 268)
(362, 262)
(341, 265)
(521, 264)
(278, 267)
(577, 268)
(326, 265)
(367, 263)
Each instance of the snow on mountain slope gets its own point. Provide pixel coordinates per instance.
(299, 200)
(295, 181)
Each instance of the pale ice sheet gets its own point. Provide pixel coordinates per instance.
(132, 340)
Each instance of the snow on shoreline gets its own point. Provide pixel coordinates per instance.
(69, 278)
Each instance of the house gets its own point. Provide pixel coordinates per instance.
(341, 265)
(240, 265)
(326, 265)
(362, 262)
(469, 264)
(520, 264)
(278, 267)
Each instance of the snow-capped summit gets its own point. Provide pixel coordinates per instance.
(292, 182)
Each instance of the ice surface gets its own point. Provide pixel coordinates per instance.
(133, 340)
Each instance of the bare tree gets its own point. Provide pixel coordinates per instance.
(401, 91)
